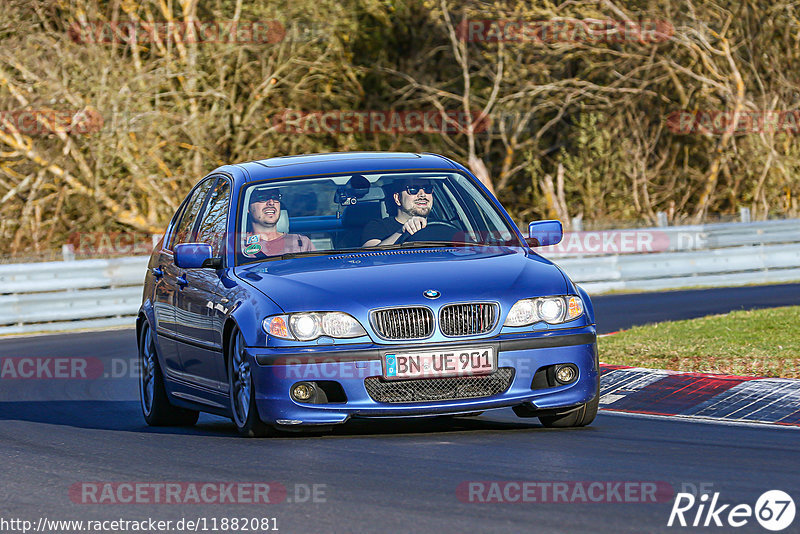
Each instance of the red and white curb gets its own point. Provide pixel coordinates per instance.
(697, 395)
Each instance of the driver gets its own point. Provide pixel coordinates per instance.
(414, 202)
(263, 238)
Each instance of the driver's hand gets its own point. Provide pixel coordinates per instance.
(415, 224)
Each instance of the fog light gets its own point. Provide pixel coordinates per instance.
(302, 391)
(566, 373)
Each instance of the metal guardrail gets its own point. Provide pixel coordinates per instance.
(724, 254)
(71, 275)
(67, 295)
(694, 237)
(670, 270)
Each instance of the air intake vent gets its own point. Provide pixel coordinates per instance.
(438, 389)
(388, 253)
(468, 319)
(403, 323)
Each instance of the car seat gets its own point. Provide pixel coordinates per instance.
(354, 218)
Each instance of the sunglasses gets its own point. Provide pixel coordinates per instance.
(416, 188)
(265, 197)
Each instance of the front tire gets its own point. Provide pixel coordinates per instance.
(156, 407)
(244, 412)
(582, 416)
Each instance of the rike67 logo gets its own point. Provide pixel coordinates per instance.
(774, 510)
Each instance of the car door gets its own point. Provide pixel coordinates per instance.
(166, 276)
(198, 303)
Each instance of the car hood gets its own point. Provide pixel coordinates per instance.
(357, 282)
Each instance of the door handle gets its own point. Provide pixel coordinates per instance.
(157, 272)
(182, 281)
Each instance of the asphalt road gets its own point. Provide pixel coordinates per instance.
(386, 476)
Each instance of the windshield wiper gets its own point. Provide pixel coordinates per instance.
(393, 246)
(427, 244)
(330, 252)
(411, 244)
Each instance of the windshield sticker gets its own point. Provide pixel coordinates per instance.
(255, 248)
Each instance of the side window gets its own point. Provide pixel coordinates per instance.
(214, 221)
(479, 212)
(183, 231)
(442, 205)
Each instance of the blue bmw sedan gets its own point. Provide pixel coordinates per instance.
(300, 292)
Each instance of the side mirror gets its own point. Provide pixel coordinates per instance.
(544, 233)
(196, 256)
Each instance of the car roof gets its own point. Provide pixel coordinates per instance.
(343, 162)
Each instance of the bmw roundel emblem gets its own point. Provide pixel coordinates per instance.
(432, 294)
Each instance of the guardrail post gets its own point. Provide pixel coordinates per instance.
(68, 252)
(744, 215)
(661, 219)
(577, 224)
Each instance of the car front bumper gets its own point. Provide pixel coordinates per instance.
(275, 371)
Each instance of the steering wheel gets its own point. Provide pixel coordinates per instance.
(433, 231)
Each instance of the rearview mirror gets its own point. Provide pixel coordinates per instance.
(196, 256)
(544, 233)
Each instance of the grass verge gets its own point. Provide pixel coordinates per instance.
(753, 342)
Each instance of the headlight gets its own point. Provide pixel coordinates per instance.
(574, 308)
(552, 310)
(338, 324)
(311, 325)
(305, 326)
(277, 326)
(522, 313)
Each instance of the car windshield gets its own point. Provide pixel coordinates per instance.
(309, 216)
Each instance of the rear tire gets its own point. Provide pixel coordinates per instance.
(244, 412)
(156, 408)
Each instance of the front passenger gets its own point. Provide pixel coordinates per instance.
(263, 238)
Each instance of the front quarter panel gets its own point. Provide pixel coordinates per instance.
(247, 308)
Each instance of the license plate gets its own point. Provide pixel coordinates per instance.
(468, 361)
